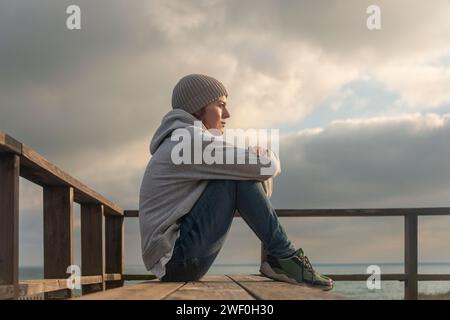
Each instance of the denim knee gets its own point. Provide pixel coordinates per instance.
(190, 270)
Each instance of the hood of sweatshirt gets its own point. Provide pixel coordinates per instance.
(174, 119)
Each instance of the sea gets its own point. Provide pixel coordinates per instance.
(389, 290)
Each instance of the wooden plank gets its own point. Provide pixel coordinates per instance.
(92, 244)
(266, 289)
(91, 279)
(344, 212)
(433, 277)
(9, 144)
(9, 220)
(113, 277)
(250, 278)
(362, 212)
(211, 287)
(39, 170)
(58, 236)
(150, 290)
(131, 213)
(364, 277)
(6, 292)
(114, 245)
(135, 277)
(32, 287)
(411, 290)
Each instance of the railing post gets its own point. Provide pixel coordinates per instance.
(58, 236)
(9, 221)
(92, 245)
(114, 248)
(411, 256)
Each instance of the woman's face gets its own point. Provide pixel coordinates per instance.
(214, 114)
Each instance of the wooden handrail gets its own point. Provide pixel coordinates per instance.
(351, 213)
(410, 215)
(60, 191)
(39, 170)
(33, 287)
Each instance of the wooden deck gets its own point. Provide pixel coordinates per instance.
(215, 287)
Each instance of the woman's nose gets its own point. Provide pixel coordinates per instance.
(225, 114)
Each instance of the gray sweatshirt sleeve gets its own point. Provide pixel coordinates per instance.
(218, 159)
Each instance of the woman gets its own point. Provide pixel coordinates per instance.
(186, 208)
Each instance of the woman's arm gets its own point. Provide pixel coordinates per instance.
(219, 159)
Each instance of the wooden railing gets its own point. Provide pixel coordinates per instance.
(100, 270)
(410, 215)
(104, 270)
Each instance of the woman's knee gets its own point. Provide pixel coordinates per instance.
(190, 270)
(250, 185)
(223, 190)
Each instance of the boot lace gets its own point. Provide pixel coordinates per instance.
(306, 263)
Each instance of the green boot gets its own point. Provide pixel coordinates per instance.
(296, 270)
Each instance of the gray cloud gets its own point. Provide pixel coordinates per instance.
(110, 83)
(89, 100)
(399, 161)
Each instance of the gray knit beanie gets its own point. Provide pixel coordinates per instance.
(195, 91)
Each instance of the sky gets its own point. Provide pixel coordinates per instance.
(364, 115)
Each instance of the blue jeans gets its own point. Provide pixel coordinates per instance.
(203, 230)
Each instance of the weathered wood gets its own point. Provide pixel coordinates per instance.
(411, 290)
(210, 288)
(91, 244)
(6, 292)
(91, 279)
(113, 277)
(364, 277)
(267, 289)
(114, 244)
(433, 277)
(434, 211)
(9, 220)
(150, 290)
(335, 277)
(9, 144)
(32, 287)
(58, 236)
(385, 212)
(135, 277)
(39, 170)
(131, 213)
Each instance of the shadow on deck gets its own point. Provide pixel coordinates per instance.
(215, 287)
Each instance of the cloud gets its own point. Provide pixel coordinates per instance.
(90, 100)
(419, 86)
(87, 89)
(374, 162)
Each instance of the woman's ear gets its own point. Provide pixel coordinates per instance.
(199, 114)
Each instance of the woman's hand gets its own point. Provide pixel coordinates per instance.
(259, 151)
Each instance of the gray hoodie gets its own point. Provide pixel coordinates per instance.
(169, 191)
